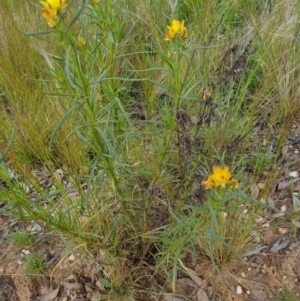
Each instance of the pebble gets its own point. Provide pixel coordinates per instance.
(71, 258)
(283, 208)
(283, 230)
(248, 292)
(27, 252)
(239, 290)
(1, 270)
(36, 228)
(265, 142)
(243, 275)
(294, 174)
(296, 151)
(279, 214)
(260, 220)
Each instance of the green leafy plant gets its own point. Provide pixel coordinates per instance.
(286, 295)
(21, 238)
(113, 112)
(35, 264)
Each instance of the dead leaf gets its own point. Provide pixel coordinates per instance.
(193, 275)
(254, 190)
(279, 245)
(201, 295)
(96, 296)
(72, 286)
(261, 185)
(285, 184)
(48, 297)
(255, 251)
(285, 154)
(187, 282)
(296, 208)
(172, 298)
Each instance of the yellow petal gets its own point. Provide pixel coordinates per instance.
(45, 4)
(81, 41)
(234, 183)
(54, 4)
(207, 184)
(49, 14)
(52, 23)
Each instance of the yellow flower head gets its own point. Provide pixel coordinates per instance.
(50, 10)
(54, 4)
(95, 1)
(177, 28)
(81, 41)
(49, 14)
(220, 177)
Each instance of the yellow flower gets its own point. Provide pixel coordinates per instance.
(50, 10)
(234, 183)
(95, 1)
(177, 28)
(81, 41)
(54, 4)
(169, 54)
(220, 177)
(208, 184)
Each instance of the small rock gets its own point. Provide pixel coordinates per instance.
(260, 220)
(243, 275)
(266, 225)
(296, 151)
(36, 228)
(248, 292)
(265, 142)
(283, 208)
(261, 185)
(1, 270)
(283, 230)
(71, 258)
(294, 174)
(276, 215)
(239, 290)
(27, 252)
(201, 295)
